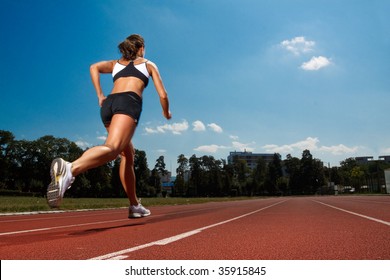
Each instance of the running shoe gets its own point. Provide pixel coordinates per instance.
(138, 211)
(61, 180)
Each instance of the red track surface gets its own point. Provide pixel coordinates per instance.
(318, 228)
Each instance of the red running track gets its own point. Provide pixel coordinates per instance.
(286, 228)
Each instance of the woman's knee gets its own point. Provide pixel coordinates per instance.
(128, 153)
(114, 151)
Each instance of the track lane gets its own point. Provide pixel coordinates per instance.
(90, 240)
(298, 228)
(122, 254)
(374, 206)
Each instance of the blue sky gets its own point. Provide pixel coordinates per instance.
(262, 76)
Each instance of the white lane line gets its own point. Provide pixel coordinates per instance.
(59, 227)
(87, 224)
(37, 218)
(118, 258)
(104, 212)
(165, 241)
(57, 211)
(354, 213)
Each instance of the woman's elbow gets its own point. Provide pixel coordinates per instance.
(93, 68)
(164, 96)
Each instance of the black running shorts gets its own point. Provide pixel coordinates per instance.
(127, 103)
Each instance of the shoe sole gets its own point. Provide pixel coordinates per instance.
(137, 215)
(53, 194)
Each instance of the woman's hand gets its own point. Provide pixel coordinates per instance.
(95, 70)
(167, 115)
(101, 100)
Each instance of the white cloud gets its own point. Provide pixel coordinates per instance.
(83, 144)
(198, 126)
(386, 151)
(315, 63)
(339, 149)
(178, 128)
(242, 146)
(216, 128)
(272, 148)
(175, 128)
(310, 144)
(298, 45)
(150, 130)
(103, 138)
(234, 137)
(210, 148)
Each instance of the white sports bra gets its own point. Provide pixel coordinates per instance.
(139, 71)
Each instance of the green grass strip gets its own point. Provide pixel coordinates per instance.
(16, 204)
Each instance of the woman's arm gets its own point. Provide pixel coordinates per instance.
(95, 70)
(160, 89)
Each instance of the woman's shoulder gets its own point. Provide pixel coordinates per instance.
(104, 66)
(150, 64)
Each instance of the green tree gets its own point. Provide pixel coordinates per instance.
(227, 178)
(346, 167)
(45, 149)
(357, 175)
(259, 177)
(293, 166)
(375, 175)
(307, 172)
(273, 175)
(242, 172)
(160, 166)
(6, 142)
(29, 161)
(161, 171)
(142, 173)
(22, 164)
(180, 188)
(154, 182)
(318, 175)
(195, 182)
(212, 170)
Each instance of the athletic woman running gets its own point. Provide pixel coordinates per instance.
(120, 113)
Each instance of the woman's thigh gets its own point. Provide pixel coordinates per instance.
(120, 132)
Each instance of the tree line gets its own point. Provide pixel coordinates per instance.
(24, 169)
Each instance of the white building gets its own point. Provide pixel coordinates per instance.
(250, 158)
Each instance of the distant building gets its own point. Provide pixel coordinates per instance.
(363, 160)
(366, 160)
(166, 178)
(250, 158)
(385, 158)
(387, 179)
(167, 183)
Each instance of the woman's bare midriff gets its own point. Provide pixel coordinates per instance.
(128, 84)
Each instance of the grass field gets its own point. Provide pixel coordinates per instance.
(13, 204)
